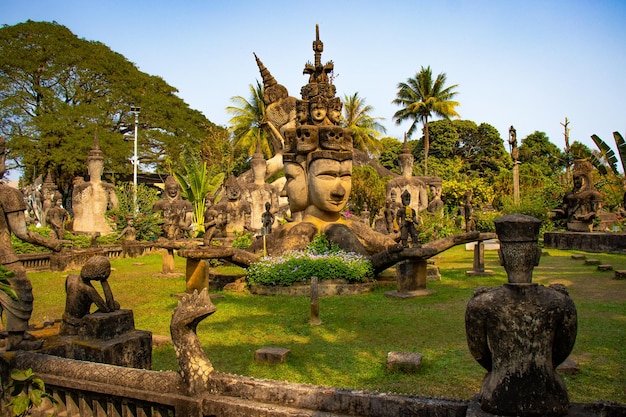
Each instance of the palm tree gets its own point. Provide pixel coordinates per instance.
(422, 98)
(247, 122)
(366, 130)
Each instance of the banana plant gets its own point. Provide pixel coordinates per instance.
(196, 184)
(609, 155)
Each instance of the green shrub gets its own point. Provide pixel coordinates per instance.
(437, 226)
(146, 223)
(242, 241)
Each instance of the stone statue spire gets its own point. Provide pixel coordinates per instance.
(268, 79)
(95, 152)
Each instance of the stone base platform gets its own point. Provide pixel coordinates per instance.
(108, 338)
(586, 241)
(575, 410)
(325, 288)
(410, 294)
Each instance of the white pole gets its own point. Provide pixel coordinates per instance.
(135, 159)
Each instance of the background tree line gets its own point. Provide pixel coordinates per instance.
(56, 90)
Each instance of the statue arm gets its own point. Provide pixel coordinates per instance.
(476, 334)
(565, 335)
(17, 225)
(111, 304)
(95, 297)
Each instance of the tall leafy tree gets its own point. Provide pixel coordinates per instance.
(422, 98)
(56, 90)
(537, 149)
(389, 156)
(247, 121)
(366, 130)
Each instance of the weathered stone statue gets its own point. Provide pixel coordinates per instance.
(318, 170)
(12, 220)
(520, 332)
(56, 216)
(406, 181)
(436, 203)
(236, 206)
(214, 222)
(91, 200)
(177, 213)
(48, 193)
(267, 219)
(129, 233)
(581, 205)
(81, 294)
(409, 221)
(259, 192)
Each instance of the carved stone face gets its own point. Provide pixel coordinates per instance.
(334, 115)
(318, 112)
(296, 186)
(330, 183)
(171, 190)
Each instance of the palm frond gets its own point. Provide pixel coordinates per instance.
(607, 153)
(621, 148)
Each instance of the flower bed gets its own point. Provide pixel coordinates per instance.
(321, 259)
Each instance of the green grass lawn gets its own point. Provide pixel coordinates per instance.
(350, 348)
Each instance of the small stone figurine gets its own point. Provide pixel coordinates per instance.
(408, 220)
(267, 219)
(521, 331)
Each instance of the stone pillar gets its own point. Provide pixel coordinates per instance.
(411, 278)
(315, 303)
(479, 260)
(168, 261)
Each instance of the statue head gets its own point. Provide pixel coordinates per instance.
(302, 111)
(172, 188)
(334, 110)
(319, 109)
(519, 249)
(97, 268)
(406, 198)
(329, 184)
(296, 186)
(95, 161)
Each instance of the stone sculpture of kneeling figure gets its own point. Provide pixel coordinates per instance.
(81, 294)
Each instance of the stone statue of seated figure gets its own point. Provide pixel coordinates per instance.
(81, 294)
(581, 205)
(521, 331)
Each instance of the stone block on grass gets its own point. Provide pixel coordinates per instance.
(592, 262)
(408, 362)
(605, 267)
(271, 355)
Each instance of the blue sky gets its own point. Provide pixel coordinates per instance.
(527, 63)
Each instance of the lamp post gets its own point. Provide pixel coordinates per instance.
(515, 156)
(135, 110)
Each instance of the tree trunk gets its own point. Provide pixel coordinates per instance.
(426, 146)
